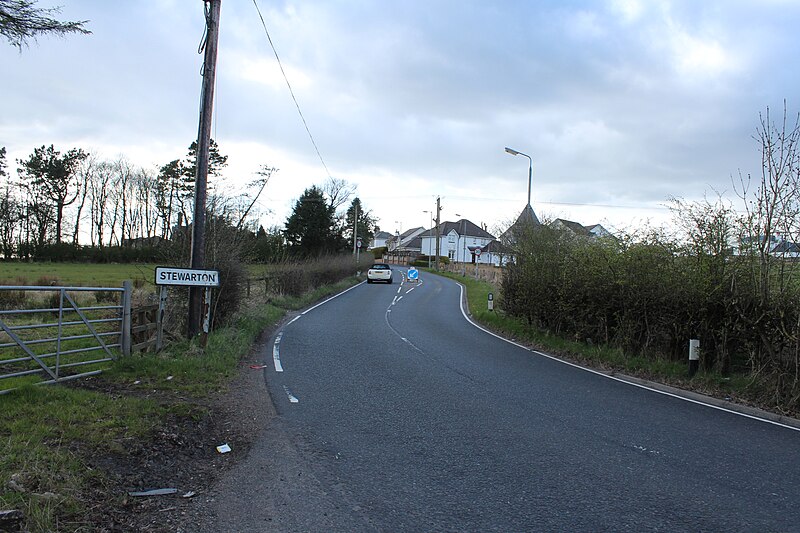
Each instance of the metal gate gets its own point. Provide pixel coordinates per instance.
(65, 335)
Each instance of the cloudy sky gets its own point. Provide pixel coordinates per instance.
(620, 103)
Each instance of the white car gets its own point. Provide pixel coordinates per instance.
(379, 272)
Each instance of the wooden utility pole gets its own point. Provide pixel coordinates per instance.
(198, 255)
(355, 228)
(438, 236)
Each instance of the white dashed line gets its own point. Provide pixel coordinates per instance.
(276, 353)
(292, 398)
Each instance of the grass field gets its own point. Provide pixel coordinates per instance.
(76, 274)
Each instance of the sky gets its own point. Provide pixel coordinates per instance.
(621, 104)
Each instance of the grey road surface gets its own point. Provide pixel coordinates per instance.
(394, 413)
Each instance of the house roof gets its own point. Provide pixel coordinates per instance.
(525, 219)
(382, 235)
(410, 232)
(576, 228)
(468, 228)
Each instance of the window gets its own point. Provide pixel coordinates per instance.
(451, 254)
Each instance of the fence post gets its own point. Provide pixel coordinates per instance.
(162, 305)
(126, 318)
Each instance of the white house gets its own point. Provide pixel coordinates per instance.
(380, 239)
(406, 241)
(460, 241)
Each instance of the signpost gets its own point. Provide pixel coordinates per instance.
(477, 257)
(186, 277)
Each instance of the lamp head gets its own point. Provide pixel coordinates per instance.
(511, 151)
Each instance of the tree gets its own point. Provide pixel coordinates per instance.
(168, 183)
(365, 222)
(216, 162)
(21, 21)
(338, 192)
(310, 230)
(9, 211)
(52, 177)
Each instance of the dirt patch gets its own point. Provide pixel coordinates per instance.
(181, 454)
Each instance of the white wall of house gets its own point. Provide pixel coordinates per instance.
(456, 247)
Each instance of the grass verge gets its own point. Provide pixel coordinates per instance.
(47, 433)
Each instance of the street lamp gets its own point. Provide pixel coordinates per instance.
(530, 168)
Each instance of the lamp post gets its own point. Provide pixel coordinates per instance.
(530, 168)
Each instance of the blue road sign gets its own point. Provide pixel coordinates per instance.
(413, 274)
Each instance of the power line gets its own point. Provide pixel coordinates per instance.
(297, 105)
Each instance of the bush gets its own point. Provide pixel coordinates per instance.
(10, 299)
(378, 252)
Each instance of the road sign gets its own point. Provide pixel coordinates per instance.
(477, 252)
(413, 274)
(187, 276)
(358, 242)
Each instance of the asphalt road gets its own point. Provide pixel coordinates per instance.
(394, 413)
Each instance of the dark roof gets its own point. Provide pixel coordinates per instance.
(469, 229)
(408, 232)
(577, 229)
(784, 247)
(413, 244)
(525, 219)
(382, 235)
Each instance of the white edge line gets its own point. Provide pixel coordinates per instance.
(332, 297)
(645, 387)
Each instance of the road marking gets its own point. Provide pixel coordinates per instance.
(276, 353)
(332, 297)
(400, 288)
(411, 289)
(293, 320)
(639, 385)
(292, 398)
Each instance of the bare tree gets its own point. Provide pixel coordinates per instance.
(99, 193)
(338, 192)
(266, 173)
(773, 208)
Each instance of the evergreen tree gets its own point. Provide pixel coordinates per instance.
(49, 176)
(311, 228)
(365, 223)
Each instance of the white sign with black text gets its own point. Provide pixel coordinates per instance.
(191, 277)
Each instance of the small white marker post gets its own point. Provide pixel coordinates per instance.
(694, 356)
(491, 301)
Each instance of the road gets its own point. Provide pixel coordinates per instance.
(395, 413)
